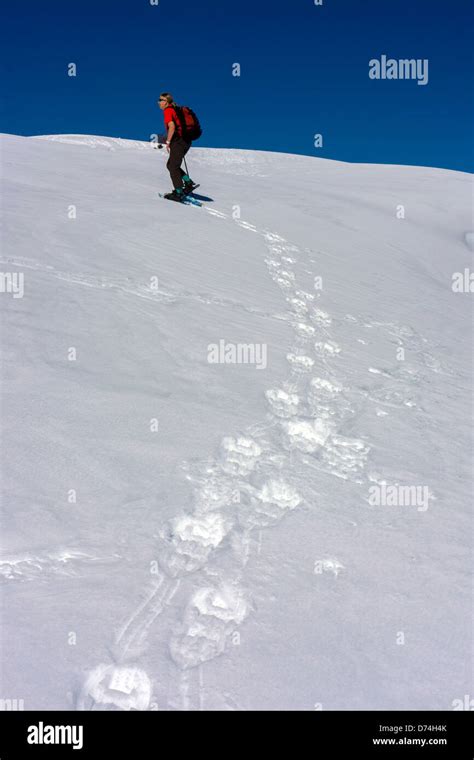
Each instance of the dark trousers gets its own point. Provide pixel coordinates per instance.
(178, 150)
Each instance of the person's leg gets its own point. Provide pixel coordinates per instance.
(178, 149)
(186, 178)
(187, 146)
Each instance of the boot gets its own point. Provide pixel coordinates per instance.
(176, 195)
(188, 185)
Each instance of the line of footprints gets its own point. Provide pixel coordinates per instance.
(248, 487)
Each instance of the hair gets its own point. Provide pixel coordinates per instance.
(168, 97)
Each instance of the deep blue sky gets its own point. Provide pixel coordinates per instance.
(304, 70)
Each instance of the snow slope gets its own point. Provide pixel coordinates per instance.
(179, 534)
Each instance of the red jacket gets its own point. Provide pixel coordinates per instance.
(170, 115)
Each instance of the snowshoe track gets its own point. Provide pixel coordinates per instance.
(248, 488)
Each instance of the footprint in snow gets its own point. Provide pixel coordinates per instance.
(210, 618)
(300, 363)
(190, 540)
(282, 404)
(269, 505)
(239, 455)
(345, 457)
(326, 348)
(115, 686)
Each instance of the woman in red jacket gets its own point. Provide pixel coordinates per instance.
(177, 146)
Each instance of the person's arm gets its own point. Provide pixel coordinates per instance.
(171, 131)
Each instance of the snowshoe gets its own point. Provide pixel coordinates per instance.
(175, 195)
(189, 186)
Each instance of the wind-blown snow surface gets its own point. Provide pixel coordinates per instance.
(186, 535)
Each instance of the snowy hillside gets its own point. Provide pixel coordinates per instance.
(287, 529)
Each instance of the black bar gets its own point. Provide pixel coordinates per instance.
(309, 734)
